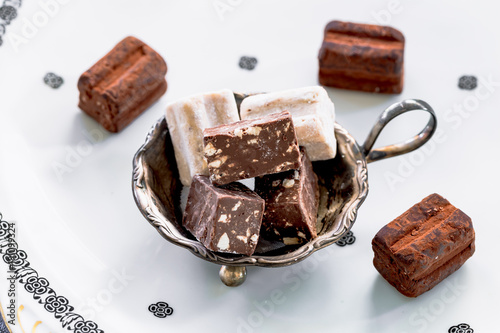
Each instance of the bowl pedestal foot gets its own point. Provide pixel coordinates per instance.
(233, 276)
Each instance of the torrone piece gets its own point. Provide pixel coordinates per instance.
(186, 120)
(362, 57)
(251, 148)
(224, 219)
(313, 116)
(123, 84)
(423, 246)
(291, 203)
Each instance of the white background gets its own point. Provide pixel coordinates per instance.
(82, 229)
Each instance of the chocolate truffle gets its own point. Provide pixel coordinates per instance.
(423, 246)
(362, 57)
(123, 84)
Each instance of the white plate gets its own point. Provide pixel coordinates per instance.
(66, 183)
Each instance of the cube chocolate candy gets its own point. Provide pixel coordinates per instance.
(291, 203)
(224, 219)
(251, 148)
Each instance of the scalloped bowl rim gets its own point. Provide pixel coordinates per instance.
(147, 207)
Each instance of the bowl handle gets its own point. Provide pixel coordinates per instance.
(407, 146)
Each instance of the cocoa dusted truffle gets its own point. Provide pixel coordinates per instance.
(123, 84)
(362, 57)
(423, 246)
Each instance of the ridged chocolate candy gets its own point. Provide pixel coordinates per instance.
(423, 246)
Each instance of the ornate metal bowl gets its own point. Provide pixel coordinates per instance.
(343, 183)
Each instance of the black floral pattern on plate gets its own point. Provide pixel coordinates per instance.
(39, 286)
(467, 82)
(14, 258)
(347, 239)
(461, 328)
(36, 285)
(86, 327)
(57, 305)
(53, 80)
(8, 12)
(161, 309)
(248, 62)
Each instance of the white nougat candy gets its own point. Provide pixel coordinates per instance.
(313, 115)
(186, 120)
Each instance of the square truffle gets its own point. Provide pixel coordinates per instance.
(123, 84)
(423, 246)
(362, 57)
(224, 219)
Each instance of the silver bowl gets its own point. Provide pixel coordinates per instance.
(343, 183)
